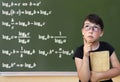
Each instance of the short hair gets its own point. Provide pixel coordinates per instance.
(95, 19)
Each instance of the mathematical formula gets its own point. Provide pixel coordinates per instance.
(20, 12)
(18, 65)
(22, 52)
(18, 4)
(13, 23)
(24, 37)
(13, 14)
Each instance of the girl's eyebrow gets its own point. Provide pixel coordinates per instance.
(89, 24)
(86, 23)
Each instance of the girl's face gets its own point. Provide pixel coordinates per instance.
(91, 31)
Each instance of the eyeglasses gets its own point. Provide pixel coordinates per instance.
(94, 28)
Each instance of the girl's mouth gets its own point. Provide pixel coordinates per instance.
(90, 37)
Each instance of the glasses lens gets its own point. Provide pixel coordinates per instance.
(94, 28)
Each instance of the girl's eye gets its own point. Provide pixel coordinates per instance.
(86, 25)
(95, 27)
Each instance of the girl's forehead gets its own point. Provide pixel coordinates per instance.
(90, 23)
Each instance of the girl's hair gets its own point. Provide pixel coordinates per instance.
(95, 19)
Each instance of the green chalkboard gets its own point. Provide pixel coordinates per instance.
(42, 35)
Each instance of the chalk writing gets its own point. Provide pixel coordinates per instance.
(18, 65)
(14, 23)
(17, 16)
(28, 52)
(20, 12)
(60, 39)
(22, 37)
(18, 4)
(59, 52)
(20, 52)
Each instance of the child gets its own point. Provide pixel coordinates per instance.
(92, 30)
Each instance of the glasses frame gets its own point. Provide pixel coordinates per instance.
(94, 28)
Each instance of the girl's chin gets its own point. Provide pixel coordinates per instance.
(90, 41)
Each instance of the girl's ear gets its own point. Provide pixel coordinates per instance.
(82, 31)
(101, 33)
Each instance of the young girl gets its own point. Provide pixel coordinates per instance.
(92, 30)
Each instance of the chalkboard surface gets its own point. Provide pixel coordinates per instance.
(42, 35)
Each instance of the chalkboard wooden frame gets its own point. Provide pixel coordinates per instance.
(53, 73)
